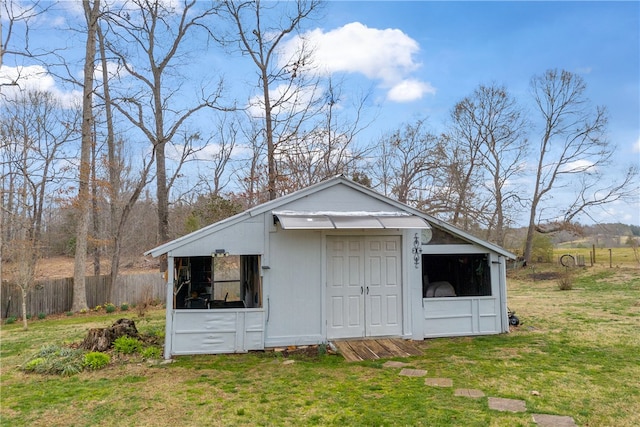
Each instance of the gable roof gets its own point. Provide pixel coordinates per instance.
(337, 180)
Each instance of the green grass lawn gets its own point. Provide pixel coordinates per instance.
(578, 351)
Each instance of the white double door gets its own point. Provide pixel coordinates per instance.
(364, 286)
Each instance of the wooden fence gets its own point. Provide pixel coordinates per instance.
(53, 296)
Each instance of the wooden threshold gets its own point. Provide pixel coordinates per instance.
(355, 350)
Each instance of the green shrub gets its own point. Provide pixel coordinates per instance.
(542, 250)
(156, 331)
(41, 315)
(69, 313)
(124, 306)
(34, 364)
(96, 360)
(152, 353)
(109, 308)
(11, 319)
(127, 345)
(57, 360)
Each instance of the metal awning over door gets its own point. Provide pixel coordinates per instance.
(328, 220)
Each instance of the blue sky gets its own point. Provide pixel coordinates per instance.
(463, 44)
(420, 58)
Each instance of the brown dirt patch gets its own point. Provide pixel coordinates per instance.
(60, 267)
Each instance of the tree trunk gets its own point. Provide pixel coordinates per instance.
(101, 339)
(95, 229)
(271, 152)
(163, 200)
(25, 325)
(531, 230)
(84, 202)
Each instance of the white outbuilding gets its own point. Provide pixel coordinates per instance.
(332, 261)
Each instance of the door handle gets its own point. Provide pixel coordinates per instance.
(361, 290)
(367, 290)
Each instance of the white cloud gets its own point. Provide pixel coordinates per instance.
(636, 147)
(35, 77)
(284, 98)
(409, 90)
(387, 56)
(113, 70)
(584, 70)
(577, 166)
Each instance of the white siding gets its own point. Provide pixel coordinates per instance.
(413, 313)
(338, 198)
(244, 238)
(461, 316)
(217, 331)
(293, 288)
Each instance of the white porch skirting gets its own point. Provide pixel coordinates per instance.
(217, 331)
(461, 316)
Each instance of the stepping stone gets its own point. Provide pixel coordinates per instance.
(510, 405)
(413, 372)
(546, 420)
(394, 364)
(289, 362)
(439, 382)
(469, 392)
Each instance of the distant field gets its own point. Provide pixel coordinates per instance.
(619, 257)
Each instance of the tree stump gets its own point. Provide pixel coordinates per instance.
(101, 339)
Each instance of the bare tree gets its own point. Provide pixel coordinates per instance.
(123, 191)
(20, 14)
(158, 30)
(493, 124)
(250, 172)
(407, 160)
(92, 14)
(34, 129)
(464, 167)
(259, 33)
(216, 173)
(328, 148)
(573, 153)
(14, 14)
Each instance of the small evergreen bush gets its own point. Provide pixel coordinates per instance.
(151, 353)
(109, 308)
(11, 319)
(127, 345)
(124, 306)
(34, 364)
(41, 315)
(96, 360)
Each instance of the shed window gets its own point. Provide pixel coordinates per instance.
(455, 275)
(218, 282)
